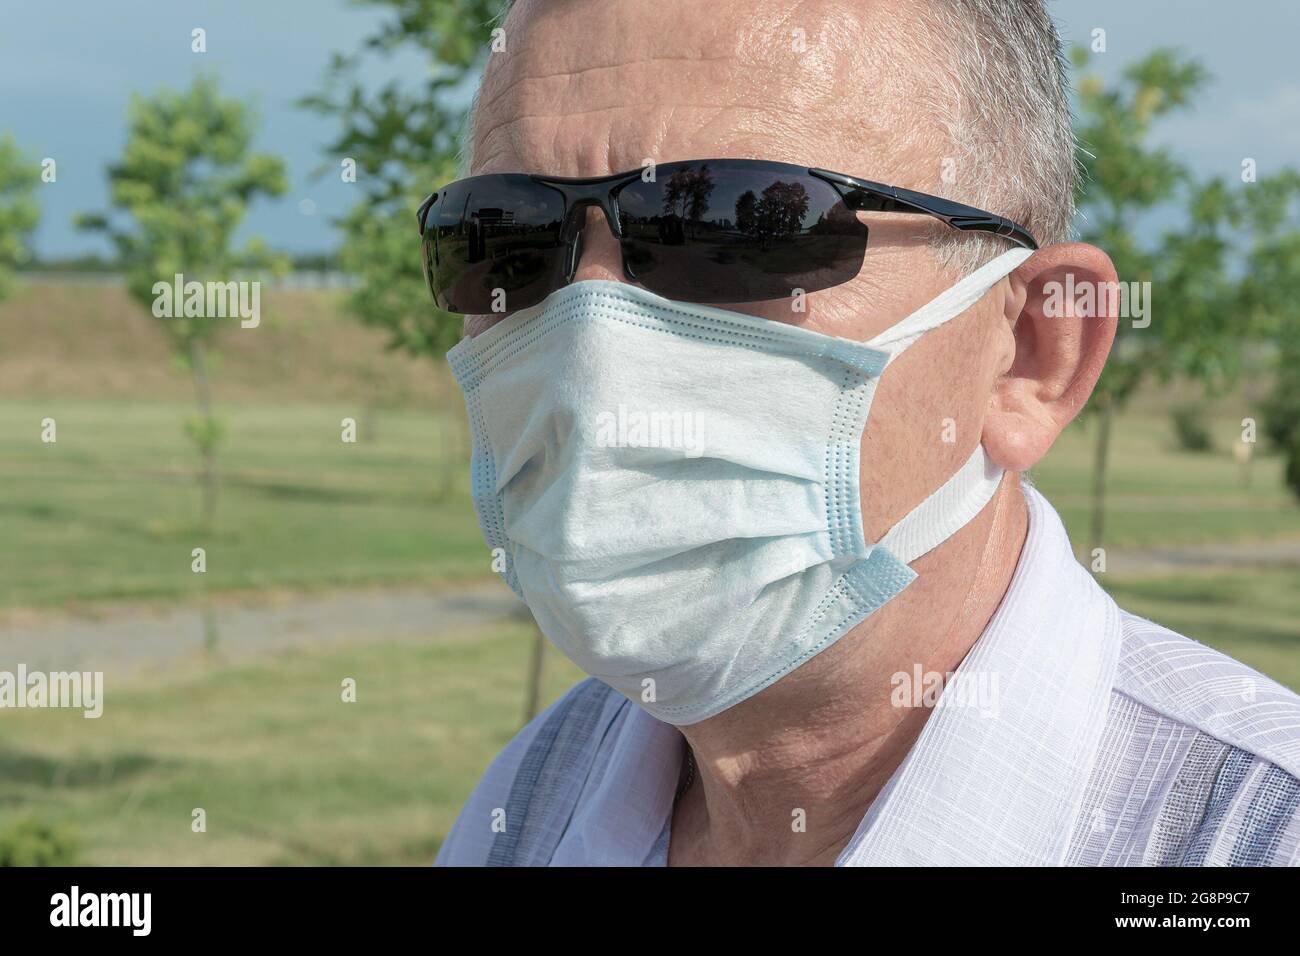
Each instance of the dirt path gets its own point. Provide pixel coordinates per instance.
(124, 640)
(1278, 553)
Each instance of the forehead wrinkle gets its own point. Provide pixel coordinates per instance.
(847, 101)
(645, 138)
(555, 40)
(635, 87)
(570, 75)
(722, 56)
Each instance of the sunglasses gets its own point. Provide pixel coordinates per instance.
(717, 230)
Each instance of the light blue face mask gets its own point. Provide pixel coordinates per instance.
(675, 487)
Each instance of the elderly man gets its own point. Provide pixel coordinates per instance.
(758, 350)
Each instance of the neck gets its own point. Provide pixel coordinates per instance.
(786, 777)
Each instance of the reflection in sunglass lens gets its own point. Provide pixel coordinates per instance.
(734, 231)
(493, 243)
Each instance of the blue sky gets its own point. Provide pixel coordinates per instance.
(68, 68)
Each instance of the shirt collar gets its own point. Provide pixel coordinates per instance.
(997, 785)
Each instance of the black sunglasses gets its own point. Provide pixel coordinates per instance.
(717, 230)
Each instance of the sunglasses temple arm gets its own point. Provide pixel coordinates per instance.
(963, 217)
(867, 196)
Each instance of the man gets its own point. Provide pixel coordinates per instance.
(756, 463)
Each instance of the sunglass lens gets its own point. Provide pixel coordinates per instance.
(737, 231)
(494, 244)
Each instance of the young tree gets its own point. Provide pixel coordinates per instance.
(1270, 291)
(405, 139)
(19, 211)
(1125, 179)
(181, 188)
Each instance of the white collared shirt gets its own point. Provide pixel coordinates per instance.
(1110, 741)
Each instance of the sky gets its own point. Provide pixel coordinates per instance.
(69, 67)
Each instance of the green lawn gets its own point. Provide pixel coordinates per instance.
(1252, 615)
(1159, 496)
(286, 772)
(108, 510)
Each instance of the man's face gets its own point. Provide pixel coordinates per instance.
(588, 87)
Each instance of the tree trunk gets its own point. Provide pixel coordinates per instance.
(450, 448)
(533, 695)
(1100, 458)
(203, 396)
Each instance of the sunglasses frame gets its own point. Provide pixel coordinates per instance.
(860, 195)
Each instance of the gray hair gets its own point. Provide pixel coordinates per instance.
(1002, 98)
(1006, 111)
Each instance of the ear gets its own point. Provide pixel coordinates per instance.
(1062, 315)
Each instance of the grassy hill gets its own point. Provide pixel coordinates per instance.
(64, 340)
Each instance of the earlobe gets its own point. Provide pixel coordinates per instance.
(1062, 313)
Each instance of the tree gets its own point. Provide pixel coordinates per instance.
(1125, 179)
(179, 192)
(19, 211)
(405, 141)
(1270, 292)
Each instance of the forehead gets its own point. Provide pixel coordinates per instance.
(588, 87)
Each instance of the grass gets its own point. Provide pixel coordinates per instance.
(73, 341)
(108, 510)
(1252, 615)
(285, 771)
(1159, 496)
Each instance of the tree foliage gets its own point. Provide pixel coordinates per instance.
(405, 139)
(179, 192)
(181, 189)
(19, 211)
(1128, 178)
(1213, 251)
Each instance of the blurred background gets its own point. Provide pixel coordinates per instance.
(233, 524)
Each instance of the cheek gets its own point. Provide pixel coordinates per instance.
(476, 324)
(925, 421)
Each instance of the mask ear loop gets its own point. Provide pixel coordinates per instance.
(956, 502)
(950, 303)
(951, 506)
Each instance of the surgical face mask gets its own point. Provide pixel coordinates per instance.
(675, 487)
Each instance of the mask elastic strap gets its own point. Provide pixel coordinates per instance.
(959, 499)
(950, 303)
(951, 507)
